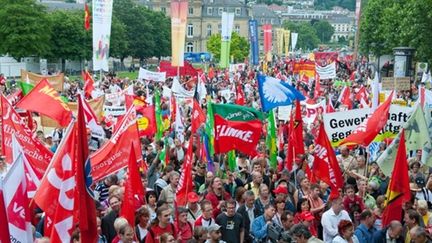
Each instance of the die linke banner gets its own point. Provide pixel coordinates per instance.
(339, 125)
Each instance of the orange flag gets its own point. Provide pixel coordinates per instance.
(398, 190)
(371, 126)
(87, 17)
(44, 99)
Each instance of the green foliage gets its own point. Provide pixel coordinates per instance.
(307, 35)
(239, 48)
(324, 30)
(270, 2)
(387, 24)
(23, 29)
(119, 41)
(69, 38)
(329, 4)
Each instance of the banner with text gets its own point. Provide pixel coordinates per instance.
(339, 125)
(102, 13)
(149, 75)
(179, 11)
(253, 38)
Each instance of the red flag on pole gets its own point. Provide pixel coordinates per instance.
(134, 190)
(240, 99)
(84, 202)
(365, 133)
(88, 84)
(45, 99)
(398, 191)
(87, 17)
(185, 184)
(198, 116)
(298, 130)
(326, 167)
(4, 236)
(345, 97)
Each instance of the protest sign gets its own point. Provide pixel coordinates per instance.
(149, 75)
(114, 110)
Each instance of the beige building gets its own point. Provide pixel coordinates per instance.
(204, 19)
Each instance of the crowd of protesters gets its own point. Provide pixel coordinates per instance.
(253, 203)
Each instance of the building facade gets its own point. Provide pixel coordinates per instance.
(204, 20)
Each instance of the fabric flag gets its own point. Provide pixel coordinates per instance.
(398, 191)
(426, 152)
(16, 201)
(375, 91)
(286, 42)
(158, 115)
(232, 164)
(271, 139)
(4, 228)
(133, 189)
(86, 17)
(227, 27)
(326, 72)
(56, 81)
(186, 69)
(198, 116)
(55, 195)
(147, 121)
(362, 97)
(267, 30)
(253, 39)
(179, 127)
(345, 97)
(326, 166)
(91, 120)
(114, 154)
(365, 133)
(12, 124)
(102, 18)
(209, 128)
(240, 99)
(83, 193)
(236, 127)
(274, 92)
(179, 12)
(426, 77)
(290, 154)
(416, 137)
(185, 184)
(298, 130)
(45, 100)
(330, 108)
(88, 84)
(26, 86)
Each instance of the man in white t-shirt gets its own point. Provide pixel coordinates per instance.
(331, 218)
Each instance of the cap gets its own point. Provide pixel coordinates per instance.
(280, 190)
(213, 227)
(193, 197)
(306, 216)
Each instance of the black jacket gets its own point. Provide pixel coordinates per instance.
(246, 221)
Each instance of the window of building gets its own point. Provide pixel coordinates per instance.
(238, 11)
(189, 47)
(190, 30)
(237, 29)
(191, 11)
(209, 11)
(209, 30)
(163, 9)
(220, 10)
(219, 28)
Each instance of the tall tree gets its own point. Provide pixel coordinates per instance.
(307, 35)
(119, 41)
(239, 47)
(324, 30)
(23, 29)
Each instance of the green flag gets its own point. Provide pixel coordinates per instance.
(225, 51)
(158, 114)
(26, 86)
(163, 155)
(236, 112)
(226, 30)
(271, 139)
(232, 164)
(209, 128)
(427, 151)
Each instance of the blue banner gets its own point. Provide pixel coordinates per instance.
(253, 38)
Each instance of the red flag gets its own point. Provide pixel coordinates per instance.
(240, 100)
(87, 17)
(4, 236)
(345, 97)
(398, 191)
(211, 73)
(134, 190)
(187, 69)
(55, 195)
(330, 108)
(84, 202)
(371, 126)
(37, 154)
(298, 130)
(326, 166)
(291, 141)
(44, 99)
(147, 123)
(362, 96)
(114, 154)
(88, 84)
(198, 116)
(185, 184)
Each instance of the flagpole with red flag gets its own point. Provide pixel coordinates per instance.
(86, 17)
(398, 191)
(84, 200)
(4, 227)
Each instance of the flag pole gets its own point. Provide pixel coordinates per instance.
(2, 130)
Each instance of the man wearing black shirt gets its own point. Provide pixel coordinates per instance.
(232, 226)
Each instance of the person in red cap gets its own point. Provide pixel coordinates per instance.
(307, 219)
(194, 209)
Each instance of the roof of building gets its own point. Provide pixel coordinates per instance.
(57, 5)
(227, 5)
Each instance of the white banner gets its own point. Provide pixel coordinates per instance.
(149, 75)
(237, 67)
(102, 13)
(312, 111)
(327, 72)
(339, 125)
(179, 91)
(114, 110)
(294, 37)
(284, 112)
